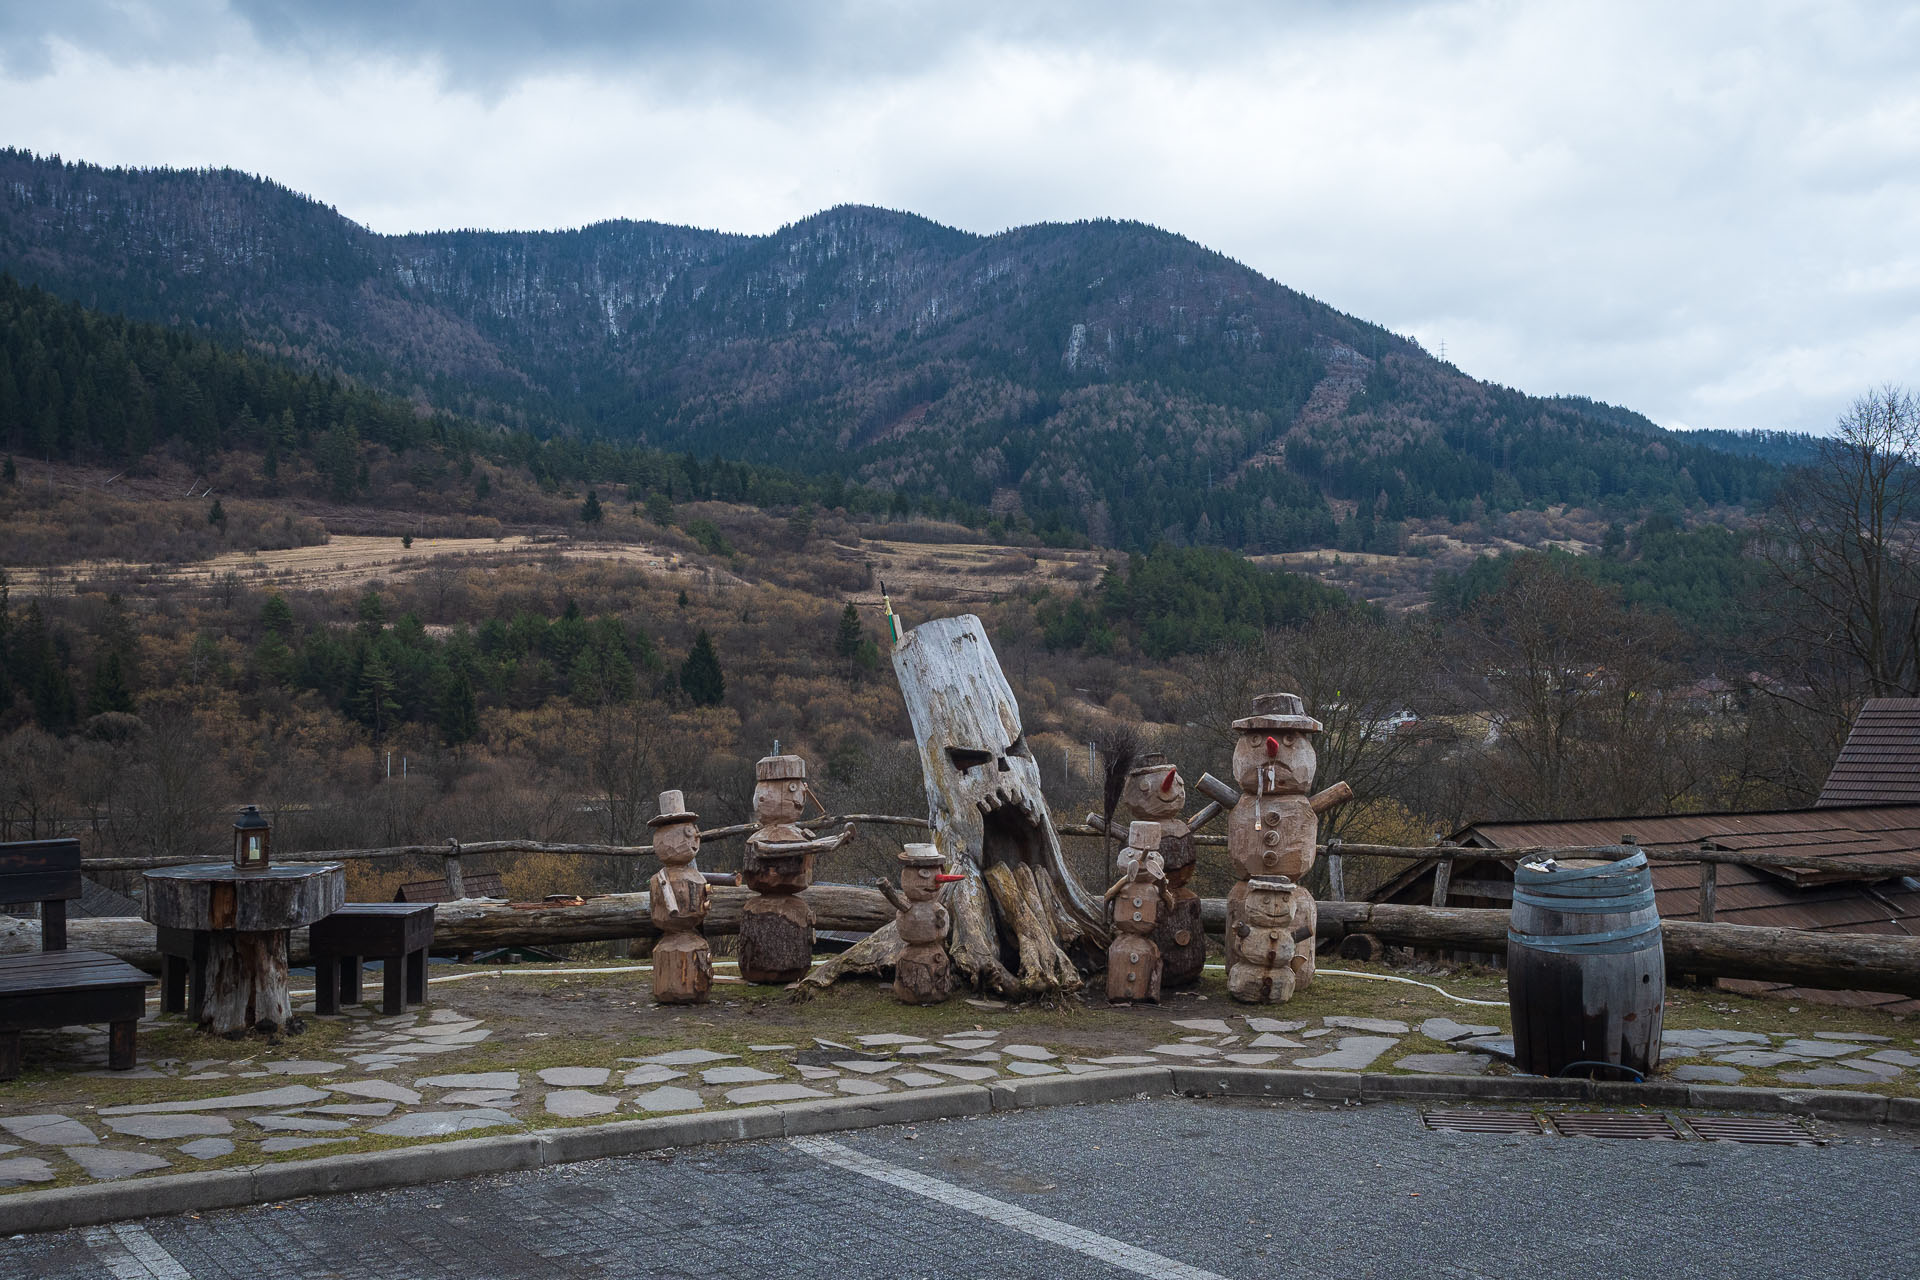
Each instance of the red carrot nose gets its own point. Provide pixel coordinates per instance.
(946, 878)
(1166, 783)
(1273, 745)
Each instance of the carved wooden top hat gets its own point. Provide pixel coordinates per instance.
(922, 855)
(779, 769)
(673, 808)
(1148, 762)
(1279, 711)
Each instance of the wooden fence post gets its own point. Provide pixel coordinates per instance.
(1709, 888)
(1442, 879)
(456, 883)
(1336, 870)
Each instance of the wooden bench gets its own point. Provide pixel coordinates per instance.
(57, 987)
(395, 933)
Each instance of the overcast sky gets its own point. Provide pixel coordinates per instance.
(1707, 212)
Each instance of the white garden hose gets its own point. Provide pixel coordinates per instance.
(1389, 977)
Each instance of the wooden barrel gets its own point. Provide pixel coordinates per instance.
(1586, 978)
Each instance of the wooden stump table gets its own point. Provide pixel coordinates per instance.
(244, 917)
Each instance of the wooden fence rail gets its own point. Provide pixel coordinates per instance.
(1335, 850)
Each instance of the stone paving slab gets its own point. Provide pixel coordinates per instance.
(473, 1080)
(385, 1090)
(652, 1074)
(183, 1125)
(574, 1103)
(105, 1164)
(757, 1093)
(292, 1096)
(1821, 1048)
(1700, 1073)
(1355, 1053)
(49, 1130)
(207, 1148)
(1375, 1026)
(574, 1077)
(736, 1075)
(21, 1170)
(669, 1098)
(435, 1124)
(1446, 1030)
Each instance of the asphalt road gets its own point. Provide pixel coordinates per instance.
(1164, 1187)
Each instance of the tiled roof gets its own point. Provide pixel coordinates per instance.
(1881, 762)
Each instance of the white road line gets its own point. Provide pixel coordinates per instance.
(1104, 1248)
(131, 1254)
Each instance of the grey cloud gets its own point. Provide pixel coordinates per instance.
(488, 45)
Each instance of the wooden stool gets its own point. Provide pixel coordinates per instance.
(183, 971)
(395, 933)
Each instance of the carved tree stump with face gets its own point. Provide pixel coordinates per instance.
(1020, 920)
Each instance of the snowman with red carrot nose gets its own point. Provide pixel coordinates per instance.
(1271, 838)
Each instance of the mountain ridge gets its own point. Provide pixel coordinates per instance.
(1102, 378)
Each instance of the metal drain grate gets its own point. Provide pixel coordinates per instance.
(1768, 1130)
(1613, 1124)
(1483, 1121)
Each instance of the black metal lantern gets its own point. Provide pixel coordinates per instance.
(252, 840)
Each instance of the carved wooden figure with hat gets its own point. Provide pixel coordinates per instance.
(678, 897)
(1271, 840)
(1155, 792)
(776, 927)
(1138, 899)
(924, 973)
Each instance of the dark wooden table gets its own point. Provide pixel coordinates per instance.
(244, 917)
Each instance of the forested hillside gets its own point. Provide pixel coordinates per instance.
(1106, 380)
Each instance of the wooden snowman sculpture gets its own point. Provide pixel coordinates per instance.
(1139, 899)
(678, 896)
(1271, 838)
(1156, 792)
(923, 974)
(776, 926)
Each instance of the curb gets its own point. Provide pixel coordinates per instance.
(169, 1194)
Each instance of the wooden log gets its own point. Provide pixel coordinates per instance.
(776, 939)
(247, 985)
(682, 969)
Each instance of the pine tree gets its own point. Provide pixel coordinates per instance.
(700, 674)
(276, 615)
(454, 711)
(590, 512)
(109, 691)
(217, 515)
(848, 638)
(374, 701)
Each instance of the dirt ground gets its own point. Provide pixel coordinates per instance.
(349, 560)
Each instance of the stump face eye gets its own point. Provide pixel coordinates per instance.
(966, 759)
